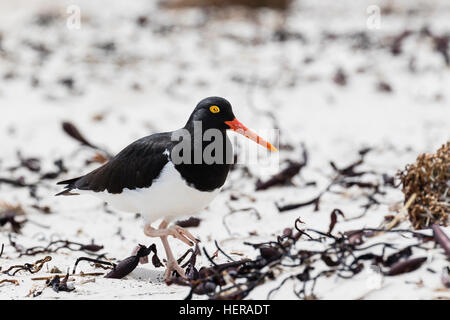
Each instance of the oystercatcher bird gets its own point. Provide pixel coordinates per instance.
(166, 175)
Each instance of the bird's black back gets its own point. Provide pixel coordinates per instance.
(141, 162)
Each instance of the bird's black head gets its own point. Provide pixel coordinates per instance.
(213, 112)
(216, 113)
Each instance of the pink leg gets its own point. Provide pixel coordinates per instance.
(177, 232)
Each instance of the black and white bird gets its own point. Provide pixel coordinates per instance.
(147, 177)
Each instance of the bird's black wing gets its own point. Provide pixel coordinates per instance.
(136, 166)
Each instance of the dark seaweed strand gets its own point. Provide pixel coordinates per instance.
(345, 259)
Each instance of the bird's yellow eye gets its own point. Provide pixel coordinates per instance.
(214, 109)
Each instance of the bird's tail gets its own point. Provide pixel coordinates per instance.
(67, 192)
(70, 185)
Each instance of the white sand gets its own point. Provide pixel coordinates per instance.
(174, 71)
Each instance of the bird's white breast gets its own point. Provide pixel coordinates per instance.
(169, 196)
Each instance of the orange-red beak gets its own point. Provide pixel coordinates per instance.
(238, 127)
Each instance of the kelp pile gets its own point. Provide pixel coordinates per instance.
(428, 181)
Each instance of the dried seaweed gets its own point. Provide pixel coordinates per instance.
(19, 182)
(340, 77)
(60, 285)
(73, 132)
(441, 45)
(383, 86)
(54, 246)
(343, 255)
(285, 176)
(97, 262)
(428, 179)
(9, 214)
(344, 177)
(396, 45)
(127, 265)
(233, 211)
(333, 218)
(9, 281)
(446, 277)
(441, 238)
(406, 266)
(30, 267)
(61, 168)
(32, 164)
(188, 223)
(42, 209)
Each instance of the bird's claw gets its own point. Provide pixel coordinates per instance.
(183, 235)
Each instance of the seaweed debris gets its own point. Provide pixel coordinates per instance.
(428, 180)
(343, 255)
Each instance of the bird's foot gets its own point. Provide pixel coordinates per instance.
(174, 231)
(182, 234)
(171, 267)
(142, 260)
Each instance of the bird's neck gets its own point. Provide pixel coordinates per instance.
(203, 142)
(200, 171)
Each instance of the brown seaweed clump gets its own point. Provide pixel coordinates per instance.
(428, 180)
